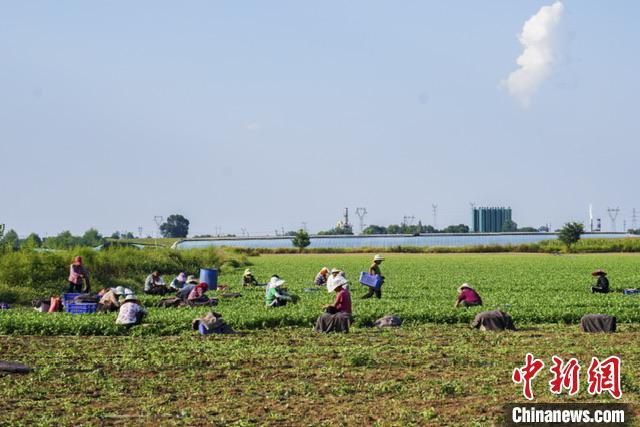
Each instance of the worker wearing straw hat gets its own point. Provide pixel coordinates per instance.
(375, 270)
(602, 286)
(131, 312)
(248, 279)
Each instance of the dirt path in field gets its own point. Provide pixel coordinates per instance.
(429, 375)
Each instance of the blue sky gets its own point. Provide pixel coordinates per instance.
(262, 115)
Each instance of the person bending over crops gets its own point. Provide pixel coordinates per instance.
(276, 295)
(467, 297)
(78, 275)
(337, 317)
(110, 298)
(154, 284)
(131, 312)
(197, 296)
(248, 279)
(602, 285)
(322, 276)
(183, 293)
(179, 282)
(375, 270)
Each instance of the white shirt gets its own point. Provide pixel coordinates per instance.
(128, 312)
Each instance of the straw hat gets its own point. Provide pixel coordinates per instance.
(192, 279)
(276, 282)
(119, 290)
(335, 283)
(335, 270)
(248, 272)
(599, 272)
(464, 285)
(378, 257)
(130, 298)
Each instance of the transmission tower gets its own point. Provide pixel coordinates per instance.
(360, 213)
(435, 216)
(139, 231)
(613, 215)
(634, 218)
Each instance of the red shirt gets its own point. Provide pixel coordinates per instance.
(343, 301)
(469, 295)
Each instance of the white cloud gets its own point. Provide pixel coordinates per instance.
(537, 59)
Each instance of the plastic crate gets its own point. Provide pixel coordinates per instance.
(81, 308)
(371, 280)
(68, 298)
(631, 291)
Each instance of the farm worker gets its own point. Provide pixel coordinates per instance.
(602, 286)
(154, 284)
(275, 296)
(467, 296)
(78, 275)
(179, 282)
(322, 276)
(337, 317)
(110, 300)
(375, 270)
(248, 279)
(131, 312)
(335, 273)
(197, 295)
(183, 293)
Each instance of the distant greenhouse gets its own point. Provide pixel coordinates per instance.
(490, 220)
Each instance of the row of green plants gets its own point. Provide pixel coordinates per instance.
(420, 288)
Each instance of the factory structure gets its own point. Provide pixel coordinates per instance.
(489, 219)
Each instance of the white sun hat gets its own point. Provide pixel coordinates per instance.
(335, 270)
(378, 257)
(338, 281)
(464, 285)
(275, 282)
(119, 290)
(131, 298)
(248, 271)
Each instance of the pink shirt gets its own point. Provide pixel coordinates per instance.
(343, 301)
(469, 295)
(76, 272)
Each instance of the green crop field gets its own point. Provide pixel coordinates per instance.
(420, 288)
(434, 370)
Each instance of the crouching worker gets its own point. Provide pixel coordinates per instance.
(602, 285)
(322, 277)
(276, 295)
(154, 284)
(212, 323)
(178, 283)
(248, 279)
(110, 298)
(197, 297)
(131, 312)
(337, 317)
(467, 297)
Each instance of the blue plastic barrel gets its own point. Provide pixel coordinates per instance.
(210, 277)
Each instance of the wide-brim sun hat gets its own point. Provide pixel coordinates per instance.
(335, 270)
(599, 272)
(119, 290)
(247, 272)
(335, 283)
(276, 283)
(193, 280)
(378, 257)
(131, 298)
(464, 285)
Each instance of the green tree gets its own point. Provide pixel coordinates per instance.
(63, 240)
(115, 235)
(11, 241)
(528, 230)
(175, 226)
(460, 228)
(570, 234)
(301, 240)
(91, 238)
(32, 241)
(375, 229)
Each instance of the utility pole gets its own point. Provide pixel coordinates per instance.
(361, 212)
(613, 214)
(435, 216)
